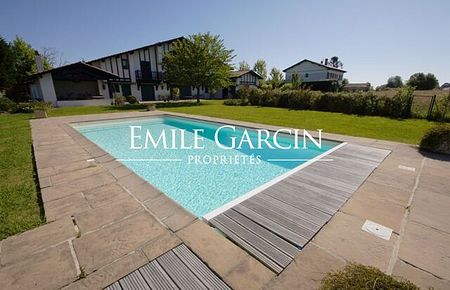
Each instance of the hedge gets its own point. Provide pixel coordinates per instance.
(362, 103)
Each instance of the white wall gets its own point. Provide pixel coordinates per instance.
(48, 88)
(310, 72)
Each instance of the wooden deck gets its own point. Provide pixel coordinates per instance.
(275, 224)
(177, 269)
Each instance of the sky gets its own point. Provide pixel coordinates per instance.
(373, 39)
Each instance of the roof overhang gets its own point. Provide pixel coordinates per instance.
(316, 63)
(78, 71)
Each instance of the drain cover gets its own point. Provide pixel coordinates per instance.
(377, 230)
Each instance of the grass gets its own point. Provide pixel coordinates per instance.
(356, 276)
(406, 131)
(19, 207)
(89, 110)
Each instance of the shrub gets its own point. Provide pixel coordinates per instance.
(42, 106)
(23, 108)
(6, 104)
(243, 94)
(232, 102)
(255, 96)
(437, 139)
(131, 99)
(119, 100)
(175, 93)
(356, 276)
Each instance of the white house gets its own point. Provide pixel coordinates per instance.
(239, 79)
(315, 74)
(137, 72)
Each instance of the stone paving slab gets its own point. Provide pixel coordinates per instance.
(420, 278)
(427, 249)
(65, 189)
(236, 267)
(307, 270)
(110, 273)
(101, 247)
(114, 211)
(102, 195)
(17, 247)
(385, 213)
(431, 209)
(49, 269)
(343, 237)
(66, 206)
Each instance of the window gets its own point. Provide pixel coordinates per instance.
(306, 75)
(328, 75)
(125, 64)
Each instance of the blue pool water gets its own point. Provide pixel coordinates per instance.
(205, 185)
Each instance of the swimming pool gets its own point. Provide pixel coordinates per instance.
(200, 180)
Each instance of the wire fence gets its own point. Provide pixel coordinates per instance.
(431, 107)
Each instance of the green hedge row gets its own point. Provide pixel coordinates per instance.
(363, 103)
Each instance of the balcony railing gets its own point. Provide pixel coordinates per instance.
(248, 83)
(149, 75)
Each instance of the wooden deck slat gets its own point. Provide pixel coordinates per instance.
(256, 241)
(156, 278)
(305, 200)
(179, 273)
(133, 281)
(259, 255)
(284, 246)
(294, 209)
(303, 218)
(208, 278)
(279, 218)
(325, 199)
(281, 231)
(114, 286)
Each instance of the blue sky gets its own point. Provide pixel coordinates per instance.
(374, 39)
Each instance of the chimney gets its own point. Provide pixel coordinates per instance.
(326, 61)
(38, 61)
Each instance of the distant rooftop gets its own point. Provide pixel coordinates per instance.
(317, 63)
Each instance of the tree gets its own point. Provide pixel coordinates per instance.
(335, 62)
(260, 68)
(243, 65)
(6, 66)
(423, 81)
(201, 60)
(394, 82)
(296, 81)
(51, 58)
(276, 78)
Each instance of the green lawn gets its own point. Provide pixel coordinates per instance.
(19, 206)
(406, 131)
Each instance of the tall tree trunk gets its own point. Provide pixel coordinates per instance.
(198, 95)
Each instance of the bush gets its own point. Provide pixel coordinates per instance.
(23, 108)
(175, 93)
(437, 139)
(232, 102)
(119, 100)
(131, 100)
(6, 104)
(361, 103)
(356, 276)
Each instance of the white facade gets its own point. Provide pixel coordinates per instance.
(140, 73)
(310, 71)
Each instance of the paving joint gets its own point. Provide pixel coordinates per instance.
(395, 251)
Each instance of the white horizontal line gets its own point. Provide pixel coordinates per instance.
(293, 160)
(151, 160)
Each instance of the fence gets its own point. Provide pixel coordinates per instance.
(430, 107)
